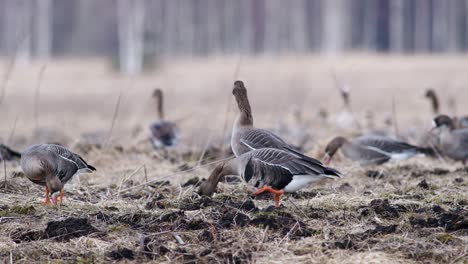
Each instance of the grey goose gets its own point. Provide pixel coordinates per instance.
(164, 133)
(245, 137)
(373, 150)
(270, 170)
(52, 166)
(452, 142)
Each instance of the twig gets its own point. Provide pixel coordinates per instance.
(36, 96)
(345, 96)
(12, 132)
(6, 78)
(395, 122)
(229, 101)
(178, 238)
(202, 155)
(175, 173)
(302, 212)
(125, 178)
(4, 170)
(114, 117)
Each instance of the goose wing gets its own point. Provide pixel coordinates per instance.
(384, 144)
(276, 168)
(261, 138)
(70, 157)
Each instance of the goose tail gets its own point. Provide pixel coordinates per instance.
(331, 173)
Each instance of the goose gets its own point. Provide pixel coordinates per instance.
(245, 137)
(458, 121)
(52, 166)
(372, 149)
(164, 133)
(7, 154)
(270, 170)
(432, 96)
(453, 142)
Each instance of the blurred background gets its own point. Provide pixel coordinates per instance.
(140, 31)
(72, 68)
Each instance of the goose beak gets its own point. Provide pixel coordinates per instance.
(326, 159)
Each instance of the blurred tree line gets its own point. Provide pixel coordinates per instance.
(130, 30)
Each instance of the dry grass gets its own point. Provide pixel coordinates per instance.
(389, 219)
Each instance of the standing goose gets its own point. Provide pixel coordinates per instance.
(452, 141)
(163, 133)
(458, 121)
(432, 96)
(373, 150)
(270, 170)
(7, 154)
(245, 137)
(52, 166)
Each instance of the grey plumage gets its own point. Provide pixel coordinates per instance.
(374, 150)
(52, 165)
(276, 168)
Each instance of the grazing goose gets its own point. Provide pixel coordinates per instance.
(163, 133)
(7, 154)
(270, 170)
(52, 166)
(245, 137)
(373, 150)
(452, 141)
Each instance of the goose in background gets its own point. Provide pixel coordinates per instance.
(373, 150)
(7, 154)
(164, 133)
(433, 98)
(270, 170)
(245, 137)
(52, 166)
(452, 142)
(458, 121)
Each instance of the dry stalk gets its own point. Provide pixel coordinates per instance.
(114, 118)
(37, 94)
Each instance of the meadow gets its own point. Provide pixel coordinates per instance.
(141, 204)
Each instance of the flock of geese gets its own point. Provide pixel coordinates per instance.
(262, 159)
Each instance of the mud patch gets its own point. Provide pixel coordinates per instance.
(69, 228)
(123, 253)
(383, 209)
(354, 241)
(450, 221)
(283, 222)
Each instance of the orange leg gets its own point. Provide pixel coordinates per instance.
(47, 198)
(61, 196)
(276, 193)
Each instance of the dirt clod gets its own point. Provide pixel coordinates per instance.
(423, 184)
(123, 253)
(69, 228)
(384, 209)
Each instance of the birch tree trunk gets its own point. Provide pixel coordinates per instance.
(422, 29)
(43, 27)
(131, 35)
(397, 36)
(333, 35)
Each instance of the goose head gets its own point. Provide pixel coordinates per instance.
(208, 187)
(443, 121)
(240, 93)
(332, 148)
